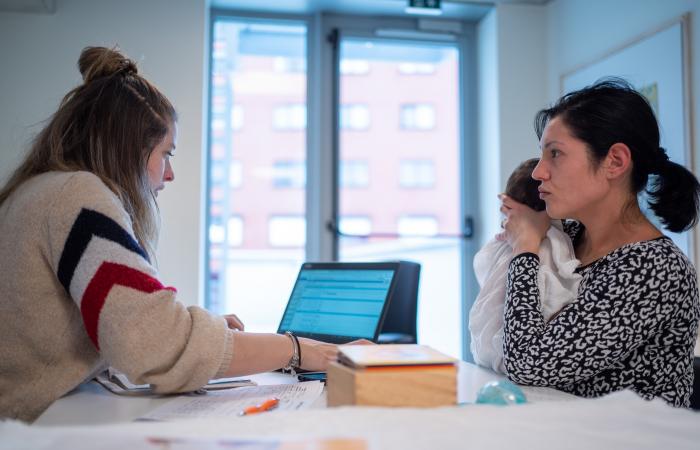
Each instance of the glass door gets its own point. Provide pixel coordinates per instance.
(257, 167)
(399, 169)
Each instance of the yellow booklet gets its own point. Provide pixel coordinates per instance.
(391, 355)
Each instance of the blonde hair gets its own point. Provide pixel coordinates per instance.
(108, 126)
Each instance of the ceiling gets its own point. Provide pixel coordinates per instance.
(457, 9)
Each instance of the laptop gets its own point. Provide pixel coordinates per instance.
(340, 302)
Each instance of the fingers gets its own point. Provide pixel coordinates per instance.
(316, 355)
(361, 342)
(234, 322)
(507, 203)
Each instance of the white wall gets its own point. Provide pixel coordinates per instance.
(511, 89)
(38, 54)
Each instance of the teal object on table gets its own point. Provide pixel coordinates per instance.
(500, 392)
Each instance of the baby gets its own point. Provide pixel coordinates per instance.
(557, 280)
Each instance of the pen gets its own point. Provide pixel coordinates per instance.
(270, 403)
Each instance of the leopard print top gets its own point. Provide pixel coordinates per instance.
(633, 325)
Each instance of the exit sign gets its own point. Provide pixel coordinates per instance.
(428, 4)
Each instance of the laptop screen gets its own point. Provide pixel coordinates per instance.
(339, 302)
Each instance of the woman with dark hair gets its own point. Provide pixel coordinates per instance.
(635, 320)
(79, 290)
(556, 278)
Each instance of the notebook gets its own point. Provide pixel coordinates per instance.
(340, 302)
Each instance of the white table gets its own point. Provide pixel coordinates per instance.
(94, 418)
(92, 404)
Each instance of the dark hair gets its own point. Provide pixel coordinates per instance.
(522, 187)
(611, 111)
(108, 126)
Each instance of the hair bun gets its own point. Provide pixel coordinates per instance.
(97, 62)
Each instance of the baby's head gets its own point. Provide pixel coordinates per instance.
(522, 188)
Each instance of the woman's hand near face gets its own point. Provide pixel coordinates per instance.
(316, 355)
(523, 227)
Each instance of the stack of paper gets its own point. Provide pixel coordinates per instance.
(117, 383)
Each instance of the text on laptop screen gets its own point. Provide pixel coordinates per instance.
(338, 302)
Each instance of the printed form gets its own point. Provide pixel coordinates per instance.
(230, 403)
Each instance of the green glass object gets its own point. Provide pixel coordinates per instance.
(500, 392)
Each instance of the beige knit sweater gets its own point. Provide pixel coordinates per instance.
(77, 293)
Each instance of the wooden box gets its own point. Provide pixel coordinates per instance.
(423, 386)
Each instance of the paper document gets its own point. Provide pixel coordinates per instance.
(231, 402)
(117, 383)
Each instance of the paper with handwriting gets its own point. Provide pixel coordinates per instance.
(230, 403)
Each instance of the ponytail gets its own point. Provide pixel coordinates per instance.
(673, 196)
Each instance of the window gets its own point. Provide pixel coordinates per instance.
(218, 127)
(411, 226)
(288, 174)
(416, 174)
(235, 231)
(218, 104)
(287, 64)
(216, 233)
(354, 67)
(354, 174)
(236, 117)
(354, 117)
(382, 94)
(256, 232)
(416, 68)
(235, 174)
(289, 117)
(417, 117)
(286, 231)
(355, 225)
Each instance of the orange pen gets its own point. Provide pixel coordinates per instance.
(270, 403)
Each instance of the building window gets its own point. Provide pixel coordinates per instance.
(235, 231)
(354, 117)
(236, 117)
(286, 231)
(416, 68)
(410, 226)
(235, 174)
(417, 117)
(218, 104)
(289, 117)
(218, 128)
(355, 225)
(288, 174)
(284, 64)
(218, 152)
(417, 173)
(354, 174)
(354, 67)
(216, 233)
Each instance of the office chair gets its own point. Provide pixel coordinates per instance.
(695, 396)
(399, 325)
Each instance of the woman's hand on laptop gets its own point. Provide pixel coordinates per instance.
(234, 322)
(316, 355)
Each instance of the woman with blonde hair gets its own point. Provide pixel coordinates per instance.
(78, 289)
